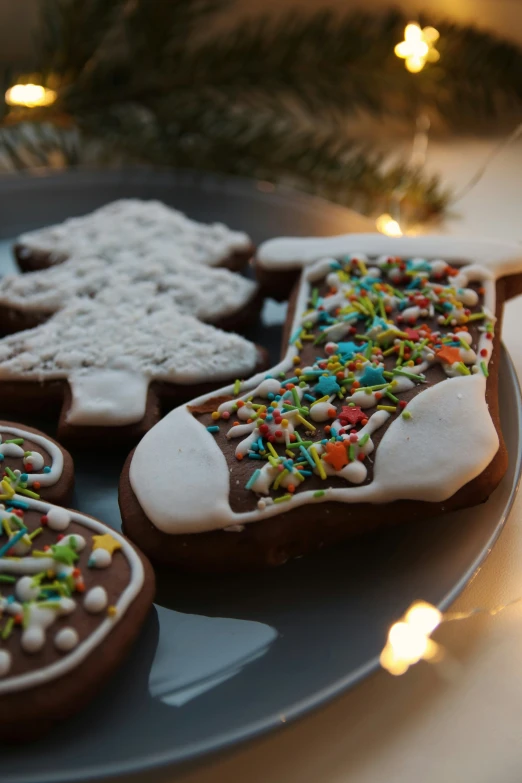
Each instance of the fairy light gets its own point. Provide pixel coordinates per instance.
(418, 47)
(30, 95)
(409, 639)
(385, 224)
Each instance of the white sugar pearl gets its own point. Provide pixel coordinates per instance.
(96, 600)
(25, 590)
(75, 541)
(66, 639)
(58, 519)
(35, 460)
(5, 662)
(100, 558)
(33, 639)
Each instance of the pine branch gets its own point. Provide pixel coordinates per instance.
(269, 143)
(323, 61)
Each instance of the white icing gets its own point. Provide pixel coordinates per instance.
(66, 639)
(34, 460)
(147, 228)
(44, 479)
(39, 618)
(118, 396)
(292, 253)
(38, 622)
(162, 345)
(11, 450)
(194, 446)
(26, 590)
(5, 662)
(58, 519)
(96, 599)
(415, 449)
(207, 294)
(100, 558)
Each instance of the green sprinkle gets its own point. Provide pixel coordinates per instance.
(35, 533)
(392, 397)
(406, 415)
(28, 492)
(18, 441)
(7, 579)
(351, 452)
(8, 627)
(365, 438)
(461, 367)
(409, 375)
(484, 369)
(389, 408)
(283, 498)
(319, 493)
(321, 399)
(476, 316)
(280, 477)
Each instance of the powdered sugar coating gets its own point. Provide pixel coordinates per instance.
(127, 333)
(205, 293)
(147, 228)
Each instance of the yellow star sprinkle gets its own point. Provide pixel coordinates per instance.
(105, 542)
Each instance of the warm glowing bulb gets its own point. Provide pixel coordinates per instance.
(409, 639)
(407, 642)
(30, 95)
(418, 47)
(424, 617)
(387, 225)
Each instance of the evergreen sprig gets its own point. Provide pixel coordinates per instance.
(150, 82)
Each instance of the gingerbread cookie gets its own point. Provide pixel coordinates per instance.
(384, 409)
(74, 594)
(110, 363)
(147, 229)
(215, 296)
(33, 465)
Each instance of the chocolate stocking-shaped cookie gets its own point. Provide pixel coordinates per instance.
(73, 596)
(384, 409)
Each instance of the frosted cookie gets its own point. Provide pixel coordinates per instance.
(148, 229)
(216, 296)
(74, 595)
(384, 409)
(110, 364)
(33, 465)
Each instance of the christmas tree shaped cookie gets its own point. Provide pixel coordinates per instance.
(384, 409)
(147, 229)
(111, 330)
(110, 363)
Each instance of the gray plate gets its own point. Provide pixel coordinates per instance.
(222, 660)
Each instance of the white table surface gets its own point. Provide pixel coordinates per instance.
(420, 727)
